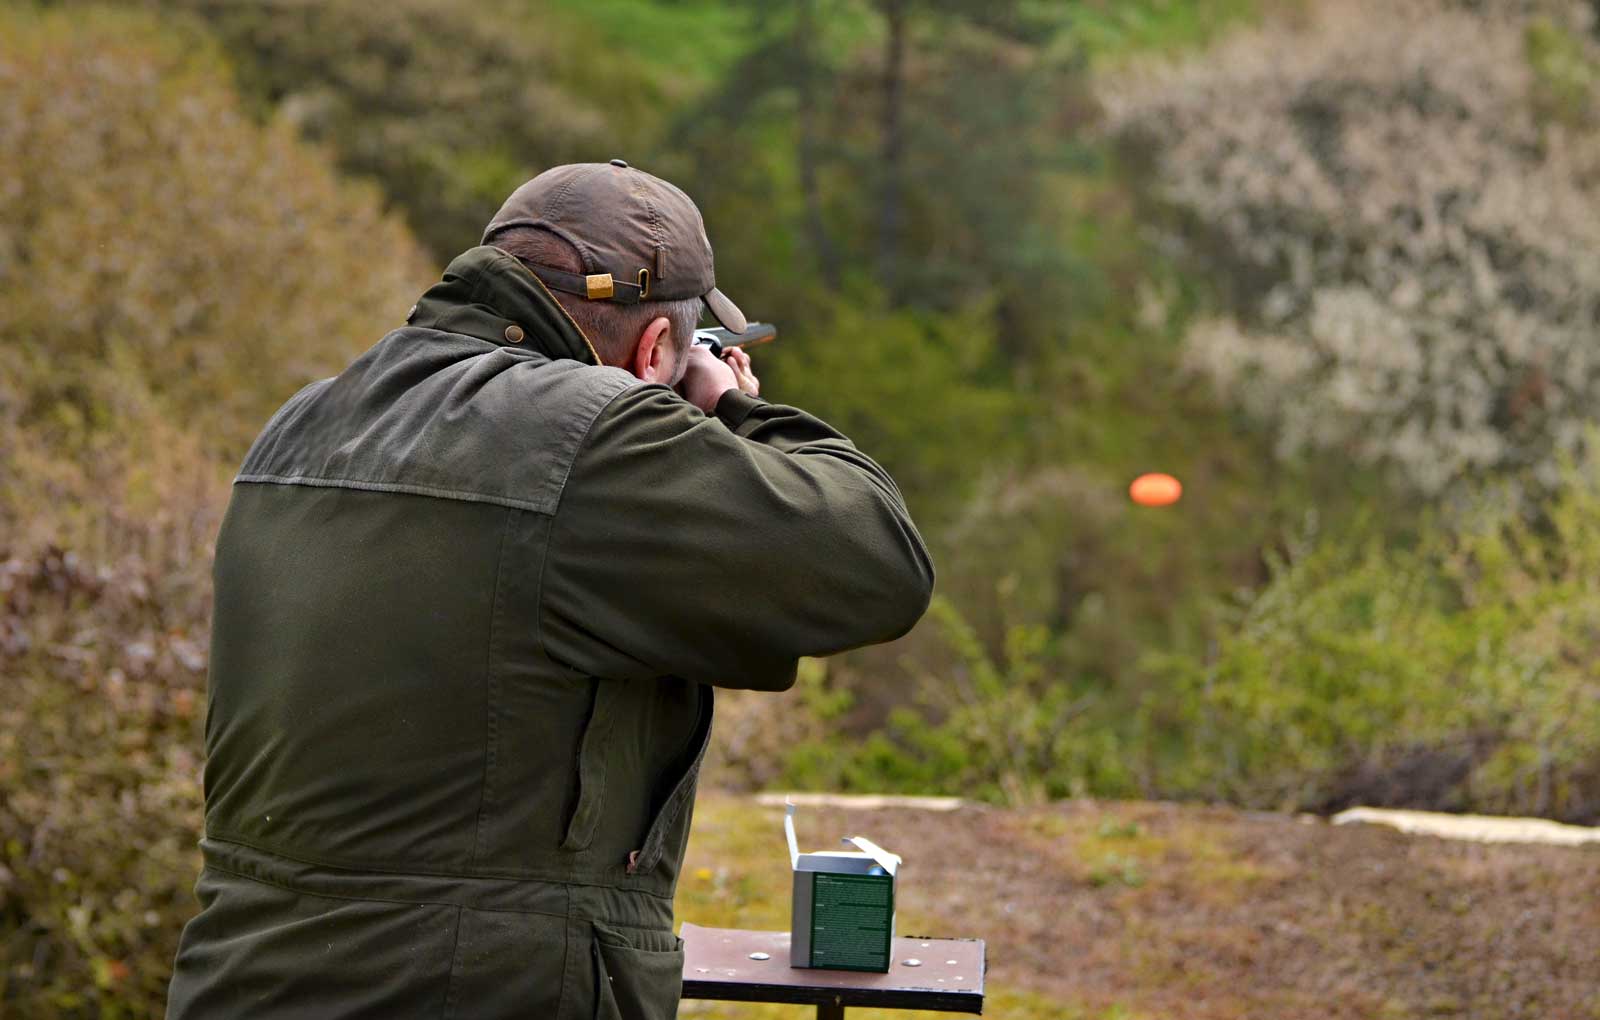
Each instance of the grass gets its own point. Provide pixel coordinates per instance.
(737, 876)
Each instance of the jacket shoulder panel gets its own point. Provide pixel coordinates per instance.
(439, 414)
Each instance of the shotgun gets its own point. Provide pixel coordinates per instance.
(719, 339)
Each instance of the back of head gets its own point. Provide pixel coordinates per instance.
(612, 328)
(619, 248)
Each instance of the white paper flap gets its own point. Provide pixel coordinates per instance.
(788, 830)
(886, 860)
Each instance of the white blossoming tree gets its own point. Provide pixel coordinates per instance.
(1399, 201)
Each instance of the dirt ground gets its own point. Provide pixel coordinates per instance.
(1127, 911)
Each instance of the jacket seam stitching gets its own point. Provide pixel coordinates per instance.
(544, 561)
(451, 983)
(573, 935)
(567, 913)
(583, 443)
(350, 898)
(550, 878)
(492, 691)
(318, 481)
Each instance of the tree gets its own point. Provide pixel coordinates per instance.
(448, 107)
(926, 137)
(1399, 204)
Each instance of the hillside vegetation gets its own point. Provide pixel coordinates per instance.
(169, 271)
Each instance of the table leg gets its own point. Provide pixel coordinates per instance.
(830, 1011)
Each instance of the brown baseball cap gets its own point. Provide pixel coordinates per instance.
(640, 238)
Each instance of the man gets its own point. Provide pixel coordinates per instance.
(472, 597)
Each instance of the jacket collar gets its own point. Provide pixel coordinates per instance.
(488, 294)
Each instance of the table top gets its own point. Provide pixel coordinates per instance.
(947, 975)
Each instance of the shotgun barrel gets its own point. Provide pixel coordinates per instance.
(719, 339)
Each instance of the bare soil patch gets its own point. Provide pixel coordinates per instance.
(1125, 910)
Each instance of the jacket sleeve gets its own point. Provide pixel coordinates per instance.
(722, 548)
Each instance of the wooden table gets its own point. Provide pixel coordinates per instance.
(726, 964)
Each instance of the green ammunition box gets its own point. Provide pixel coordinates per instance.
(843, 906)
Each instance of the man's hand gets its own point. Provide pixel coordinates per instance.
(706, 378)
(739, 361)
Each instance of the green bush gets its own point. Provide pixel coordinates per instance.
(1002, 727)
(910, 389)
(155, 242)
(1460, 673)
(1454, 670)
(100, 797)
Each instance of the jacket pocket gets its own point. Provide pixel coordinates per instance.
(593, 751)
(638, 976)
(670, 821)
(508, 964)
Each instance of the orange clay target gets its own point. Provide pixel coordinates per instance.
(1155, 490)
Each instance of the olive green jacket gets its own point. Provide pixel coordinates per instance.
(472, 597)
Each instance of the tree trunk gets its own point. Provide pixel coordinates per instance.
(893, 149)
(816, 227)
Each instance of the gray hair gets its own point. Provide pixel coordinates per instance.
(612, 328)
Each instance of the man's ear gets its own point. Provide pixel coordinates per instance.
(649, 357)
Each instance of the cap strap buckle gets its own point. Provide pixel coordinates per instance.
(595, 287)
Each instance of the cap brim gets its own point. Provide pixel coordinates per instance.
(725, 311)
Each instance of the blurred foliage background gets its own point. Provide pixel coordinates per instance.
(1330, 262)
